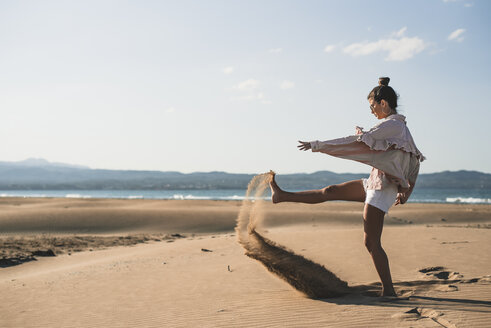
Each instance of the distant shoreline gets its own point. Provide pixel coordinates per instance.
(215, 200)
(423, 196)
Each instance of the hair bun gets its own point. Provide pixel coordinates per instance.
(383, 81)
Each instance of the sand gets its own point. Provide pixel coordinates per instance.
(151, 263)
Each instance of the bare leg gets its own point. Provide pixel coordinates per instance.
(373, 219)
(351, 190)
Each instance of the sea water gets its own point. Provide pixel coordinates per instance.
(464, 196)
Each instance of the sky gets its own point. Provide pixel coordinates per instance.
(233, 85)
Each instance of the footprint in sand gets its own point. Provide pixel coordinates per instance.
(439, 272)
(419, 313)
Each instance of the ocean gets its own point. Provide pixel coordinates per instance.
(457, 196)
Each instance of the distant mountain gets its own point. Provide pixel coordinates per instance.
(41, 162)
(39, 174)
(458, 179)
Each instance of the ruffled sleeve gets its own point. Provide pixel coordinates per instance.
(388, 147)
(391, 133)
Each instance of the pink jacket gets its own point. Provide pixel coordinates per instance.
(388, 147)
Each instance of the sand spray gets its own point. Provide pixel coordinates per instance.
(308, 277)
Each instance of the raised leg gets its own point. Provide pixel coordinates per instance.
(373, 220)
(351, 190)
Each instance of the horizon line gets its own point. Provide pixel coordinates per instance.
(79, 166)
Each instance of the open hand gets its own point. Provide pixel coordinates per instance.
(304, 145)
(401, 198)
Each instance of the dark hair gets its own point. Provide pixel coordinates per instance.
(384, 92)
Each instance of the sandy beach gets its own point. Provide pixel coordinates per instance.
(153, 154)
(166, 263)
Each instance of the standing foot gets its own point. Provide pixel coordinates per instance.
(393, 298)
(389, 292)
(275, 189)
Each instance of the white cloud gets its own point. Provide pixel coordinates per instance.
(397, 46)
(400, 33)
(248, 91)
(228, 70)
(457, 35)
(287, 85)
(249, 84)
(275, 50)
(468, 5)
(170, 110)
(329, 48)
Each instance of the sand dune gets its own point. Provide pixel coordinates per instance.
(443, 266)
(106, 216)
(96, 216)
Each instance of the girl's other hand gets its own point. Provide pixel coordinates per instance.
(304, 145)
(401, 199)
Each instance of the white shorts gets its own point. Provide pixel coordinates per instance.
(382, 199)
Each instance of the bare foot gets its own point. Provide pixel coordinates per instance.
(391, 292)
(275, 189)
(393, 298)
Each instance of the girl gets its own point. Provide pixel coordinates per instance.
(389, 148)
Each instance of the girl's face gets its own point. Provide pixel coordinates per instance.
(380, 110)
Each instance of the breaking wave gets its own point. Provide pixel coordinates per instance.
(468, 200)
